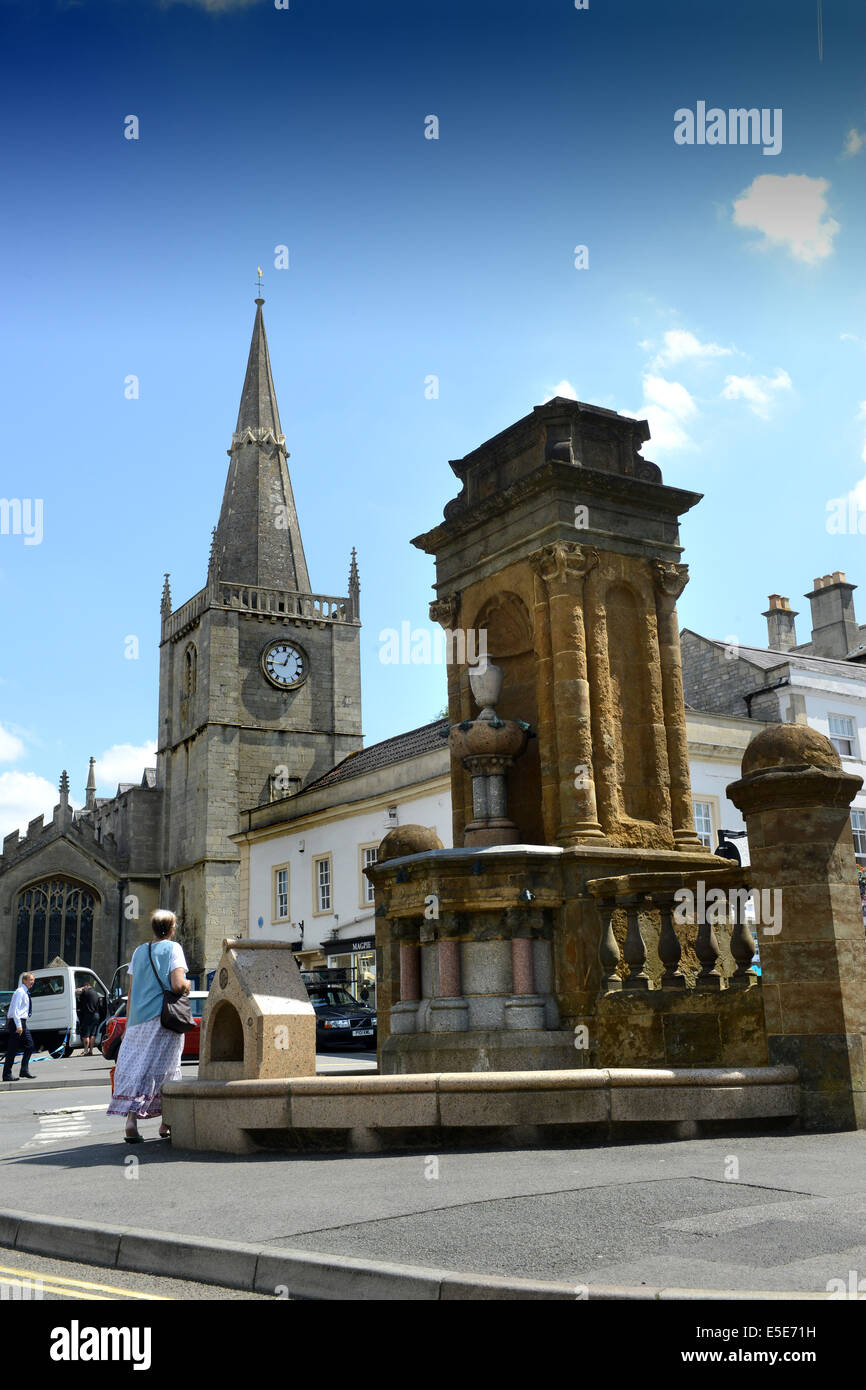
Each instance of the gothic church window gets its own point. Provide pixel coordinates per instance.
(189, 675)
(190, 664)
(53, 918)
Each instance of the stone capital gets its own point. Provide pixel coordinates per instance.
(562, 561)
(444, 610)
(670, 579)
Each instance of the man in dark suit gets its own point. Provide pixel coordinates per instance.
(18, 1036)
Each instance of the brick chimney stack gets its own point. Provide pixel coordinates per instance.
(834, 627)
(781, 631)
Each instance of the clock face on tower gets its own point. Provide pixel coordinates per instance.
(284, 664)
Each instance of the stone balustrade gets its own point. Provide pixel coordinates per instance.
(662, 893)
(263, 602)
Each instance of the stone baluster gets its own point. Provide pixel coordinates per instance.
(608, 950)
(670, 950)
(635, 950)
(742, 948)
(707, 952)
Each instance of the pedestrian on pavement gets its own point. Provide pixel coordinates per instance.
(18, 1037)
(88, 1017)
(149, 1055)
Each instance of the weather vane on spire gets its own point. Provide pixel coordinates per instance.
(259, 285)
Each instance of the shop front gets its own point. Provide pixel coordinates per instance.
(357, 957)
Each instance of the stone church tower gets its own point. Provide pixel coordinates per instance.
(259, 693)
(260, 682)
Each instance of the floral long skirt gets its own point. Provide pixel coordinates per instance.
(149, 1056)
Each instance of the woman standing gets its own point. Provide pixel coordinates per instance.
(149, 1054)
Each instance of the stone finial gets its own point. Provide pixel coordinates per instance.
(165, 605)
(407, 839)
(90, 790)
(354, 585)
(790, 746)
(64, 789)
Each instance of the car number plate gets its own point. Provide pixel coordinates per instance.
(362, 1032)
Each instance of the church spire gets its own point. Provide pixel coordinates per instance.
(258, 539)
(258, 408)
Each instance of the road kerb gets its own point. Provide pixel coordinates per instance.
(307, 1274)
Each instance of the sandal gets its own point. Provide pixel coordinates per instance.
(165, 1131)
(132, 1136)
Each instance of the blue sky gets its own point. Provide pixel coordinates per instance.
(724, 300)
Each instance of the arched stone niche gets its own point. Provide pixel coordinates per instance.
(506, 620)
(225, 1036)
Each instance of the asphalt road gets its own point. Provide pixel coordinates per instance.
(775, 1212)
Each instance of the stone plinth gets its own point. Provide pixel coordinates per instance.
(488, 959)
(258, 1021)
(795, 799)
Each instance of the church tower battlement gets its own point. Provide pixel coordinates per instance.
(260, 682)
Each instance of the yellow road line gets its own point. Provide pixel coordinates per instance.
(35, 1295)
(18, 1273)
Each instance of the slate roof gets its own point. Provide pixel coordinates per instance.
(768, 659)
(430, 738)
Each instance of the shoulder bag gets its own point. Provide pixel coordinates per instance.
(176, 1015)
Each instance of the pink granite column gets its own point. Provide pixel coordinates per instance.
(449, 969)
(523, 973)
(410, 975)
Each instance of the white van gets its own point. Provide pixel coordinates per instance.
(54, 1020)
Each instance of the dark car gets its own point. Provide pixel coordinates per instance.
(340, 1019)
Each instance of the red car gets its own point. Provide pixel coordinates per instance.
(116, 1025)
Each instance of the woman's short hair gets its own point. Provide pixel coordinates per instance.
(162, 922)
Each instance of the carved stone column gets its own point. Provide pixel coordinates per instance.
(603, 715)
(670, 580)
(548, 748)
(562, 567)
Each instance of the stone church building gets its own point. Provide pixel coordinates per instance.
(259, 694)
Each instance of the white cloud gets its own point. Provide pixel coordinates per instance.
(11, 747)
(757, 391)
(854, 142)
(861, 412)
(563, 388)
(24, 795)
(790, 210)
(667, 405)
(680, 345)
(124, 762)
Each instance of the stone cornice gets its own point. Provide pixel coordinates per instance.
(633, 493)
